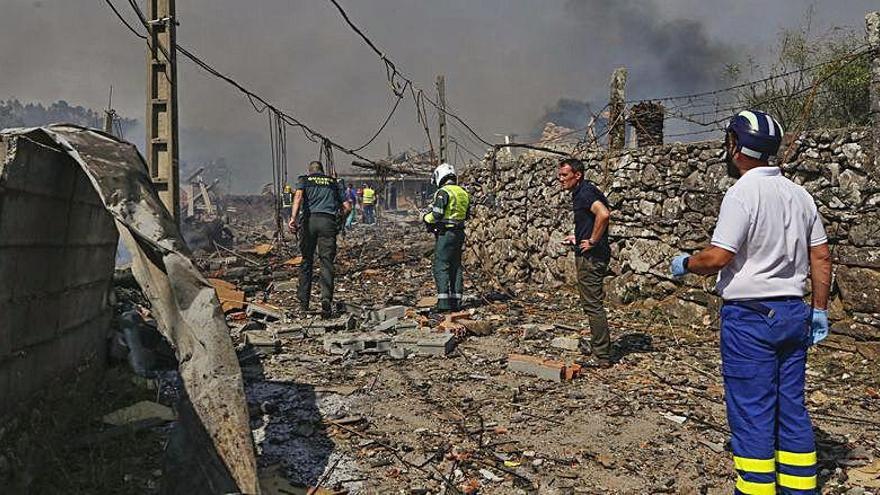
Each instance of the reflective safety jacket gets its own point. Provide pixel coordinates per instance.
(369, 196)
(451, 207)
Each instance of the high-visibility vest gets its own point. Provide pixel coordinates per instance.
(369, 196)
(456, 209)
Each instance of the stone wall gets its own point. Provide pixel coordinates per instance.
(664, 201)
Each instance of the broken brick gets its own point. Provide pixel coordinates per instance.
(230, 297)
(572, 371)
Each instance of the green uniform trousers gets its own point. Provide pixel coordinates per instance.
(590, 274)
(447, 268)
(318, 231)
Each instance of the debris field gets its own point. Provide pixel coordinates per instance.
(391, 397)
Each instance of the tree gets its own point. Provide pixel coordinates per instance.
(815, 82)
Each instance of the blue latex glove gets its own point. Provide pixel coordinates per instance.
(819, 325)
(677, 267)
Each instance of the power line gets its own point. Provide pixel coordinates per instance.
(384, 124)
(393, 74)
(285, 117)
(757, 81)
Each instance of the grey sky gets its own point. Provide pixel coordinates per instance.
(505, 61)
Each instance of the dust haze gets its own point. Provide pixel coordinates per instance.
(507, 63)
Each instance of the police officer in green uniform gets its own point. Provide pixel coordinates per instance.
(322, 201)
(446, 220)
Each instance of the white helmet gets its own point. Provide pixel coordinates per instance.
(441, 172)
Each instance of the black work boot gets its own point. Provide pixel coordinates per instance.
(326, 310)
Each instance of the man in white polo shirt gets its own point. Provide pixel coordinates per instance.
(768, 239)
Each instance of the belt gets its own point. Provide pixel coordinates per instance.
(758, 306)
(322, 214)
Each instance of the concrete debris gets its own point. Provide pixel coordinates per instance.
(262, 339)
(542, 368)
(569, 343)
(285, 286)
(399, 347)
(264, 311)
(388, 313)
(388, 393)
(141, 411)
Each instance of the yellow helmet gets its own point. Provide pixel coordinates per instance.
(287, 188)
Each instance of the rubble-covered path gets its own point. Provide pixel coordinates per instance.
(382, 421)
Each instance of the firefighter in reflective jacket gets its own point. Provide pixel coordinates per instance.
(446, 220)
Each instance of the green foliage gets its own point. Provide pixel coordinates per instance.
(13, 113)
(823, 81)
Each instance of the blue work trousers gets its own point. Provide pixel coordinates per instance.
(763, 352)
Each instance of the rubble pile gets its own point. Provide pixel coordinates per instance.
(390, 397)
(664, 201)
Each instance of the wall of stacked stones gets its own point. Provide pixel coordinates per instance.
(664, 201)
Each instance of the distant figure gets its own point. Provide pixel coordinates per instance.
(592, 254)
(767, 240)
(446, 219)
(369, 201)
(287, 203)
(321, 201)
(393, 200)
(351, 196)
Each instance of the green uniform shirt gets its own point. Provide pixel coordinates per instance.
(321, 194)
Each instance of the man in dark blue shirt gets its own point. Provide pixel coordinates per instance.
(592, 252)
(321, 200)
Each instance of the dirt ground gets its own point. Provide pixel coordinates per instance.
(654, 423)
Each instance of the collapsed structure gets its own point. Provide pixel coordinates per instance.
(62, 190)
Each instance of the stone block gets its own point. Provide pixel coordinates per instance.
(336, 344)
(285, 286)
(436, 345)
(260, 338)
(541, 368)
(343, 323)
(391, 312)
(264, 311)
(569, 343)
(387, 325)
(859, 289)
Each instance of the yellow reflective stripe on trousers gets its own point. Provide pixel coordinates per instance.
(796, 482)
(752, 488)
(754, 465)
(796, 459)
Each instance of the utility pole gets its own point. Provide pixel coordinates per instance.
(872, 26)
(616, 108)
(109, 114)
(162, 146)
(441, 96)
